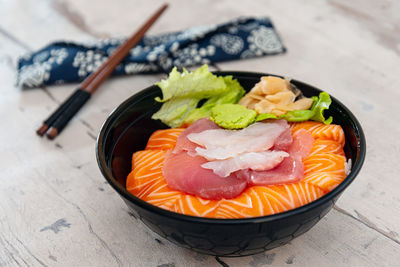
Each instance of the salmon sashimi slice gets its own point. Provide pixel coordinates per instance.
(147, 159)
(248, 204)
(147, 182)
(163, 196)
(164, 139)
(325, 170)
(325, 181)
(146, 165)
(325, 162)
(327, 146)
(196, 206)
(319, 130)
(267, 200)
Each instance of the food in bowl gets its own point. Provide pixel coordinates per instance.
(128, 128)
(233, 155)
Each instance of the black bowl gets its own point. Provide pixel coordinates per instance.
(127, 130)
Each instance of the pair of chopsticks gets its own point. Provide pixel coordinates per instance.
(54, 124)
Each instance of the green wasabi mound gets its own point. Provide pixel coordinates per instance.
(232, 116)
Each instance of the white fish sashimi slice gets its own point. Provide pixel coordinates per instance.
(223, 137)
(258, 161)
(222, 144)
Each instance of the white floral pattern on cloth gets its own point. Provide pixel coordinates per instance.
(262, 40)
(87, 62)
(70, 62)
(37, 73)
(230, 44)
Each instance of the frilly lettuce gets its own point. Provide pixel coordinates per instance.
(182, 93)
(320, 104)
(173, 112)
(199, 84)
(233, 95)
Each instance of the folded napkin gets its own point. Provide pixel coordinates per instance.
(62, 62)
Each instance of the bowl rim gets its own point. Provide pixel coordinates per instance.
(356, 167)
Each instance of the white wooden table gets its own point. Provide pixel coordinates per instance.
(56, 208)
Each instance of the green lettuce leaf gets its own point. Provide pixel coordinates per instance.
(200, 84)
(320, 104)
(293, 116)
(266, 116)
(183, 92)
(173, 112)
(232, 96)
(315, 113)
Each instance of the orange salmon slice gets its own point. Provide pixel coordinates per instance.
(196, 206)
(319, 130)
(164, 139)
(326, 146)
(267, 200)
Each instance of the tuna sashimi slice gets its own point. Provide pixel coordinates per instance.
(184, 144)
(259, 161)
(222, 144)
(302, 144)
(184, 173)
(284, 141)
(290, 170)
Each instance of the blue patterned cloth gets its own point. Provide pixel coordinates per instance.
(62, 62)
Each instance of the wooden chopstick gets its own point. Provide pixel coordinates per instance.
(56, 122)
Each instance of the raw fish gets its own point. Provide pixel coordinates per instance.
(184, 144)
(290, 170)
(184, 173)
(259, 161)
(218, 144)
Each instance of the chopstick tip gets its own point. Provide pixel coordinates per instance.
(52, 133)
(42, 130)
(163, 7)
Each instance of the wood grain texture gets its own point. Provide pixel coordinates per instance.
(57, 210)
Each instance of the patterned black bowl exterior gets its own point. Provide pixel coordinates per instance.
(128, 128)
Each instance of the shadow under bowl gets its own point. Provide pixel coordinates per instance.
(127, 130)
